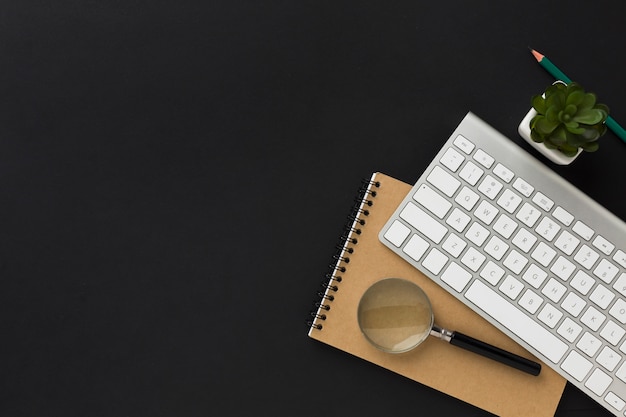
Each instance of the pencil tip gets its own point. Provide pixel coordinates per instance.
(536, 54)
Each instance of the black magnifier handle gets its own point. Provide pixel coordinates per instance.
(485, 349)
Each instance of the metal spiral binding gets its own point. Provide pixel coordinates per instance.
(344, 248)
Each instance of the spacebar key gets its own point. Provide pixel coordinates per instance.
(516, 321)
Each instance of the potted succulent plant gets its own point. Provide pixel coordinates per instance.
(564, 121)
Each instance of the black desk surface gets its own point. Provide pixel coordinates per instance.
(174, 175)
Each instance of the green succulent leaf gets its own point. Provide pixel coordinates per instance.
(535, 136)
(545, 125)
(568, 150)
(589, 116)
(556, 99)
(589, 101)
(549, 145)
(559, 136)
(575, 98)
(576, 141)
(574, 127)
(538, 103)
(552, 114)
(570, 110)
(604, 108)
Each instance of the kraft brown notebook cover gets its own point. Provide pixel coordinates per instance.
(482, 382)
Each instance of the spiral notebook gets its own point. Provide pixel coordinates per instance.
(362, 260)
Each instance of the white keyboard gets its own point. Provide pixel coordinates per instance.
(527, 251)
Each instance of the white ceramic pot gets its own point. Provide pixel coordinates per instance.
(552, 154)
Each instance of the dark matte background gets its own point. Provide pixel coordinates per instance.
(174, 175)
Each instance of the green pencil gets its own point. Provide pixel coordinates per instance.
(559, 75)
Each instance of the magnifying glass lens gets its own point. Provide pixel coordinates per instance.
(395, 315)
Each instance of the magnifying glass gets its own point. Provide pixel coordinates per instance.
(395, 315)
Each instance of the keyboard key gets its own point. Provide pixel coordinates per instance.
(543, 254)
(613, 333)
(456, 277)
(483, 158)
(517, 322)
(547, 229)
(423, 222)
(524, 240)
(566, 242)
(511, 287)
(458, 220)
(614, 401)
(452, 159)
(397, 233)
(509, 201)
(602, 296)
(554, 290)
(515, 261)
(486, 212)
(576, 365)
(454, 245)
(505, 226)
(477, 234)
(416, 247)
(593, 318)
(435, 261)
(569, 329)
(496, 247)
(471, 173)
(604, 245)
(586, 256)
(619, 310)
(573, 304)
(443, 181)
(473, 259)
(467, 198)
(620, 258)
(535, 276)
(503, 172)
(582, 230)
(542, 201)
(563, 216)
(582, 282)
(492, 273)
(606, 271)
(589, 344)
(530, 301)
(464, 144)
(609, 359)
(550, 315)
(563, 268)
(528, 214)
(523, 187)
(432, 201)
(490, 187)
(598, 382)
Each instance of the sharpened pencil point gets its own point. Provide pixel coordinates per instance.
(536, 54)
